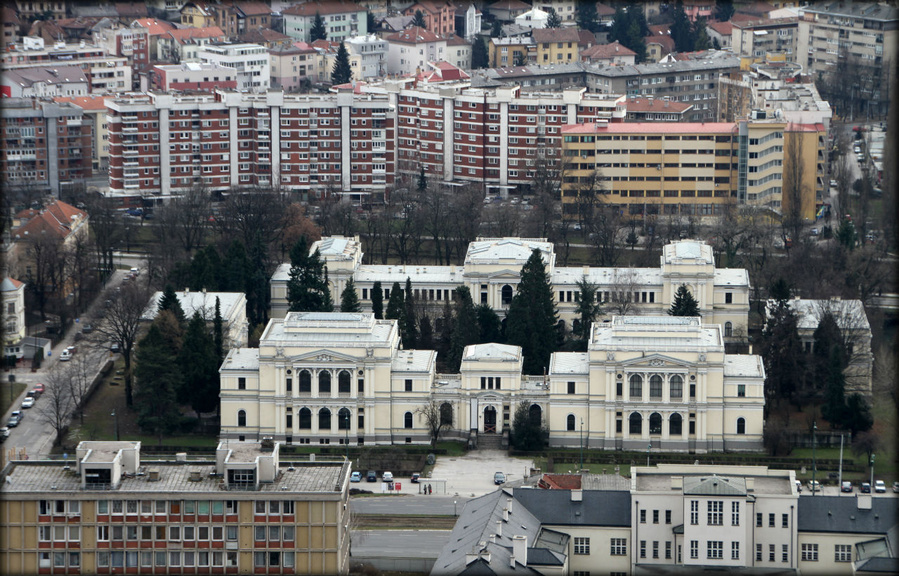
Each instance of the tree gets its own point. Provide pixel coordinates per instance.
(158, 379)
(465, 328)
(681, 29)
(531, 321)
(586, 16)
(122, 323)
(490, 327)
(588, 309)
(169, 301)
(553, 20)
(377, 300)
(435, 418)
(186, 218)
(684, 303)
(700, 35)
(419, 19)
(624, 283)
(318, 30)
(846, 235)
(528, 433)
(426, 334)
(199, 368)
(834, 408)
(396, 308)
(480, 58)
(78, 375)
(797, 185)
(349, 300)
(56, 402)
(307, 288)
(422, 180)
(520, 59)
(342, 72)
(781, 350)
(724, 10)
(410, 322)
(218, 336)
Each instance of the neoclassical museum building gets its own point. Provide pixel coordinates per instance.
(646, 378)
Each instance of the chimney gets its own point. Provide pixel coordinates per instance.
(499, 528)
(864, 501)
(520, 549)
(509, 504)
(505, 514)
(577, 495)
(154, 475)
(750, 484)
(677, 482)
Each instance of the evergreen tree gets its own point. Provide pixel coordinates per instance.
(846, 235)
(349, 300)
(858, 416)
(520, 59)
(237, 268)
(377, 300)
(684, 303)
(588, 309)
(444, 337)
(465, 328)
(342, 72)
(490, 327)
(410, 322)
(681, 29)
(307, 288)
(531, 321)
(396, 308)
(158, 379)
(834, 408)
(169, 301)
(422, 180)
(586, 16)
(636, 42)
(553, 20)
(527, 433)
(218, 336)
(496, 30)
(318, 30)
(426, 334)
(630, 29)
(780, 291)
(199, 367)
(700, 35)
(419, 19)
(480, 58)
(724, 10)
(781, 350)
(258, 293)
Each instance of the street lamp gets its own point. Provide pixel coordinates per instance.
(114, 415)
(581, 441)
(872, 471)
(346, 417)
(648, 448)
(454, 508)
(814, 460)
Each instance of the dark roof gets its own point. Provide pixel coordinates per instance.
(879, 564)
(544, 557)
(842, 514)
(597, 507)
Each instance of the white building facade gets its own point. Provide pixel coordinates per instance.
(249, 61)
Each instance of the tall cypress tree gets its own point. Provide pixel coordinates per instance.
(480, 57)
(396, 309)
(349, 300)
(586, 16)
(410, 327)
(342, 72)
(553, 20)
(199, 367)
(158, 379)
(318, 30)
(490, 327)
(531, 321)
(419, 19)
(169, 301)
(681, 29)
(781, 350)
(426, 334)
(237, 267)
(684, 303)
(218, 336)
(465, 328)
(588, 309)
(377, 300)
(307, 288)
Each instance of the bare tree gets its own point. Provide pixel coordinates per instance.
(338, 215)
(78, 376)
(106, 223)
(56, 402)
(48, 258)
(436, 418)
(408, 225)
(122, 324)
(187, 217)
(465, 216)
(501, 220)
(251, 211)
(795, 187)
(625, 282)
(435, 206)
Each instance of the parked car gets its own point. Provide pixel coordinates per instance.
(38, 389)
(28, 402)
(65, 356)
(415, 477)
(371, 476)
(387, 476)
(14, 418)
(879, 486)
(87, 329)
(356, 476)
(135, 272)
(895, 486)
(865, 488)
(499, 478)
(114, 347)
(4, 434)
(846, 487)
(814, 485)
(798, 486)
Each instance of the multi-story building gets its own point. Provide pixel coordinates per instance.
(43, 82)
(410, 50)
(239, 17)
(694, 169)
(468, 20)
(197, 14)
(108, 73)
(163, 143)
(293, 66)
(129, 42)
(645, 379)
(511, 51)
(722, 33)
(458, 52)
(46, 146)
(507, 10)
(556, 45)
(565, 9)
(249, 61)
(29, 9)
(613, 54)
(656, 110)
(851, 37)
(232, 307)
(371, 52)
(10, 23)
(490, 272)
(184, 45)
(439, 15)
(113, 512)
(12, 293)
(342, 19)
(534, 18)
(155, 30)
(94, 109)
(756, 38)
(189, 76)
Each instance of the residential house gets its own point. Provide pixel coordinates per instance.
(155, 30)
(720, 33)
(439, 15)
(29, 9)
(659, 45)
(129, 42)
(293, 67)
(130, 11)
(265, 37)
(410, 51)
(106, 72)
(250, 61)
(184, 45)
(192, 76)
(371, 52)
(507, 10)
(198, 14)
(614, 54)
(468, 20)
(565, 9)
(755, 39)
(232, 307)
(11, 24)
(512, 51)
(442, 72)
(43, 82)
(238, 18)
(342, 19)
(649, 109)
(13, 314)
(556, 45)
(458, 52)
(533, 18)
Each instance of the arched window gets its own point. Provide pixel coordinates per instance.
(535, 413)
(407, 420)
(655, 423)
(655, 386)
(507, 295)
(741, 426)
(676, 425)
(636, 423)
(324, 419)
(241, 418)
(676, 387)
(324, 382)
(305, 419)
(343, 419)
(571, 422)
(728, 329)
(446, 414)
(343, 382)
(305, 381)
(636, 387)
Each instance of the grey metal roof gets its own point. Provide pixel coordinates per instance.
(842, 514)
(714, 485)
(743, 365)
(596, 508)
(879, 564)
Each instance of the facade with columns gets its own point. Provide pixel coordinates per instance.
(492, 269)
(331, 378)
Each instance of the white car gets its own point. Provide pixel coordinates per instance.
(387, 477)
(65, 355)
(28, 402)
(880, 486)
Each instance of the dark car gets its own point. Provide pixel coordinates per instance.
(371, 476)
(846, 487)
(499, 478)
(415, 477)
(14, 419)
(865, 488)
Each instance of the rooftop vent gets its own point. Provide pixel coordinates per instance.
(154, 475)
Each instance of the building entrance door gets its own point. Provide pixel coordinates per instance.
(490, 420)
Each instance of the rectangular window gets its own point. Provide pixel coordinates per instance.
(655, 516)
(771, 520)
(408, 384)
(667, 516)
(758, 520)
(734, 550)
(581, 546)
(734, 513)
(715, 509)
(784, 520)
(241, 383)
(842, 553)
(770, 552)
(668, 550)
(642, 548)
(694, 512)
(741, 390)
(619, 547)
(785, 554)
(571, 388)
(758, 552)
(715, 550)
(642, 516)
(694, 549)
(655, 549)
(810, 552)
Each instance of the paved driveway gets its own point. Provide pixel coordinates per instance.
(472, 474)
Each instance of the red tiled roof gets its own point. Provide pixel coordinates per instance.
(657, 105)
(263, 35)
(509, 5)
(666, 42)
(659, 29)
(651, 128)
(414, 35)
(606, 51)
(10, 16)
(543, 35)
(55, 219)
(14, 282)
(585, 38)
(94, 102)
(603, 10)
(184, 35)
(560, 482)
(131, 9)
(453, 40)
(254, 8)
(156, 27)
(322, 8)
(723, 28)
(444, 72)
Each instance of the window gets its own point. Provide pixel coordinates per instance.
(506, 294)
(570, 422)
(728, 298)
(324, 382)
(810, 552)
(694, 549)
(324, 419)
(407, 420)
(305, 381)
(655, 516)
(734, 513)
(667, 516)
(758, 520)
(343, 382)
(758, 552)
(741, 426)
(676, 387)
(741, 390)
(241, 383)
(642, 548)
(241, 418)
(734, 550)
(655, 423)
(715, 509)
(842, 553)
(715, 550)
(728, 329)
(636, 386)
(675, 425)
(668, 550)
(636, 423)
(770, 552)
(571, 388)
(655, 386)
(581, 546)
(784, 520)
(694, 512)
(305, 419)
(785, 553)
(770, 520)
(655, 548)
(619, 547)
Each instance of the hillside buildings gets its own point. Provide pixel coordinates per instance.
(112, 511)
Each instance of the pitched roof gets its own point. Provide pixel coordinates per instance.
(657, 105)
(666, 42)
(492, 351)
(596, 508)
(543, 35)
(253, 8)
(606, 51)
(509, 5)
(585, 38)
(714, 485)
(263, 36)
(156, 27)
(322, 8)
(427, 6)
(186, 35)
(9, 16)
(27, 77)
(92, 102)
(842, 514)
(10, 285)
(55, 219)
(414, 35)
(603, 10)
(723, 28)
(131, 9)
(443, 72)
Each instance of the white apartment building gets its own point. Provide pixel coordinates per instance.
(371, 52)
(410, 50)
(249, 61)
(232, 307)
(108, 74)
(342, 19)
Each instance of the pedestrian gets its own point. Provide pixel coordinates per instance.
(429, 489)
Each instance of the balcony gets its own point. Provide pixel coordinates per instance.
(130, 152)
(129, 118)
(129, 129)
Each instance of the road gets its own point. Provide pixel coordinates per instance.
(398, 543)
(417, 505)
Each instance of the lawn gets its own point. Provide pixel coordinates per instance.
(7, 397)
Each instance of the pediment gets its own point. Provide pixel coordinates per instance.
(657, 362)
(323, 356)
(510, 274)
(490, 396)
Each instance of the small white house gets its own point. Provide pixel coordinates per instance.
(533, 18)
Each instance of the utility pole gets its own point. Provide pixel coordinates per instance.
(841, 464)
(814, 460)
(582, 445)
(648, 448)
(116, 417)
(872, 471)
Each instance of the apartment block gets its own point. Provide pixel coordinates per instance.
(250, 62)
(342, 19)
(42, 82)
(409, 51)
(163, 143)
(131, 43)
(46, 145)
(192, 76)
(756, 38)
(439, 15)
(371, 56)
(239, 17)
(690, 168)
(511, 51)
(94, 114)
(108, 73)
(556, 45)
(110, 511)
(292, 66)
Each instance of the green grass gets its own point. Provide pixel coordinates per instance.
(5, 401)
